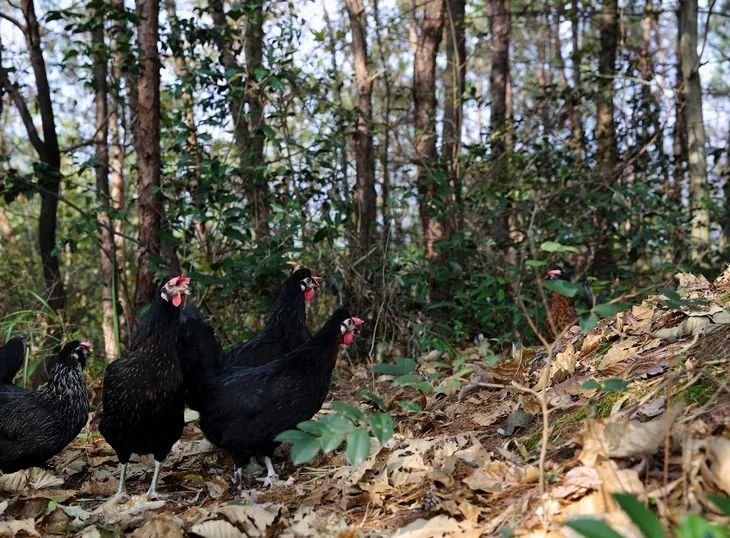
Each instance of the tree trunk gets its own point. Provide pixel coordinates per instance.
(384, 154)
(605, 128)
(248, 132)
(424, 105)
(116, 166)
(651, 129)
(106, 230)
(725, 177)
(365, 183)
(696, 152)
(255, 162)
(576, 96)
(147, 149)
(454, 80)
(50, 178)
(500, 29)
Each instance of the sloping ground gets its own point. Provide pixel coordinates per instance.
(640, 404)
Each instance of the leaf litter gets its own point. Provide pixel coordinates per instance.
(467, 464)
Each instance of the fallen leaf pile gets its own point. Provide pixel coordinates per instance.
(639, 404)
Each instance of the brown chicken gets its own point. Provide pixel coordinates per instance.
(561, 309)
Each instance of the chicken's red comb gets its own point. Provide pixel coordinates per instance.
(88, 346)
(357, 321)
(554, 272)
(179, 280)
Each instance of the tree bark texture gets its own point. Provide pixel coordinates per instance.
(365, 200)
(106, 229)
(424, 104)
(147, 149)
(500, 29)
(696, 151)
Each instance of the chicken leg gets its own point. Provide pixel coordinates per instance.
(121, 495)
(152, 492)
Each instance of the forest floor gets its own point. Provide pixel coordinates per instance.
(468, 463)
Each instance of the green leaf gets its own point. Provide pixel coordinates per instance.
(563, 287)
(402, 366)
(337, 424)
(591, 385)
(347, 410)
(312, 427)
(374, 398)
(670, 294)
(382, 427)
(588, 321)
(553, 246)
(304, 450)
(695, 526)
(592, 528)
(606, 310)
(358, 447)
(291, 436)
(415, 381)
(641, 516)
(330, 440)
(536, 263)
(614, 385)
(722, 502)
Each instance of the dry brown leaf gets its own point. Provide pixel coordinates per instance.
(438, 527)
(651, 409)
(691, 282)
(624, 350)
(159, 526)
(625, 438)
(593, 339)
(497, 475)
(33, 478)
(18, 527)
(561, 368)
(218, 528)
(254, 519)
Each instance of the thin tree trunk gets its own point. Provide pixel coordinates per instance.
(651, 132)
(696, 151)
(454, 80)
(365, 201)
(147, 148)
(107, 247)
(578, 138)
(385, 145)
(605, 127)
(500, 29)
(255, 161)
(50, 180)
(725, 177)
(116, 166)
(424, 104)
(248, 132)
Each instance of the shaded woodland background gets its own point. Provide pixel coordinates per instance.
(416, 153)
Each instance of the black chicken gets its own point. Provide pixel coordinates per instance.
(143, 397)
(245, 408)
(199, 352)
(35, 425)
(287, 325)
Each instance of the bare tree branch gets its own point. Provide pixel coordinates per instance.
(23, 109)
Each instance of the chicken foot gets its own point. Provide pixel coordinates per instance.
(272, 478)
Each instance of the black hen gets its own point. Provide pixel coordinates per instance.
(198, 351)
(143, 396)
(245, 408)
(35, 425)
(287, 325)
